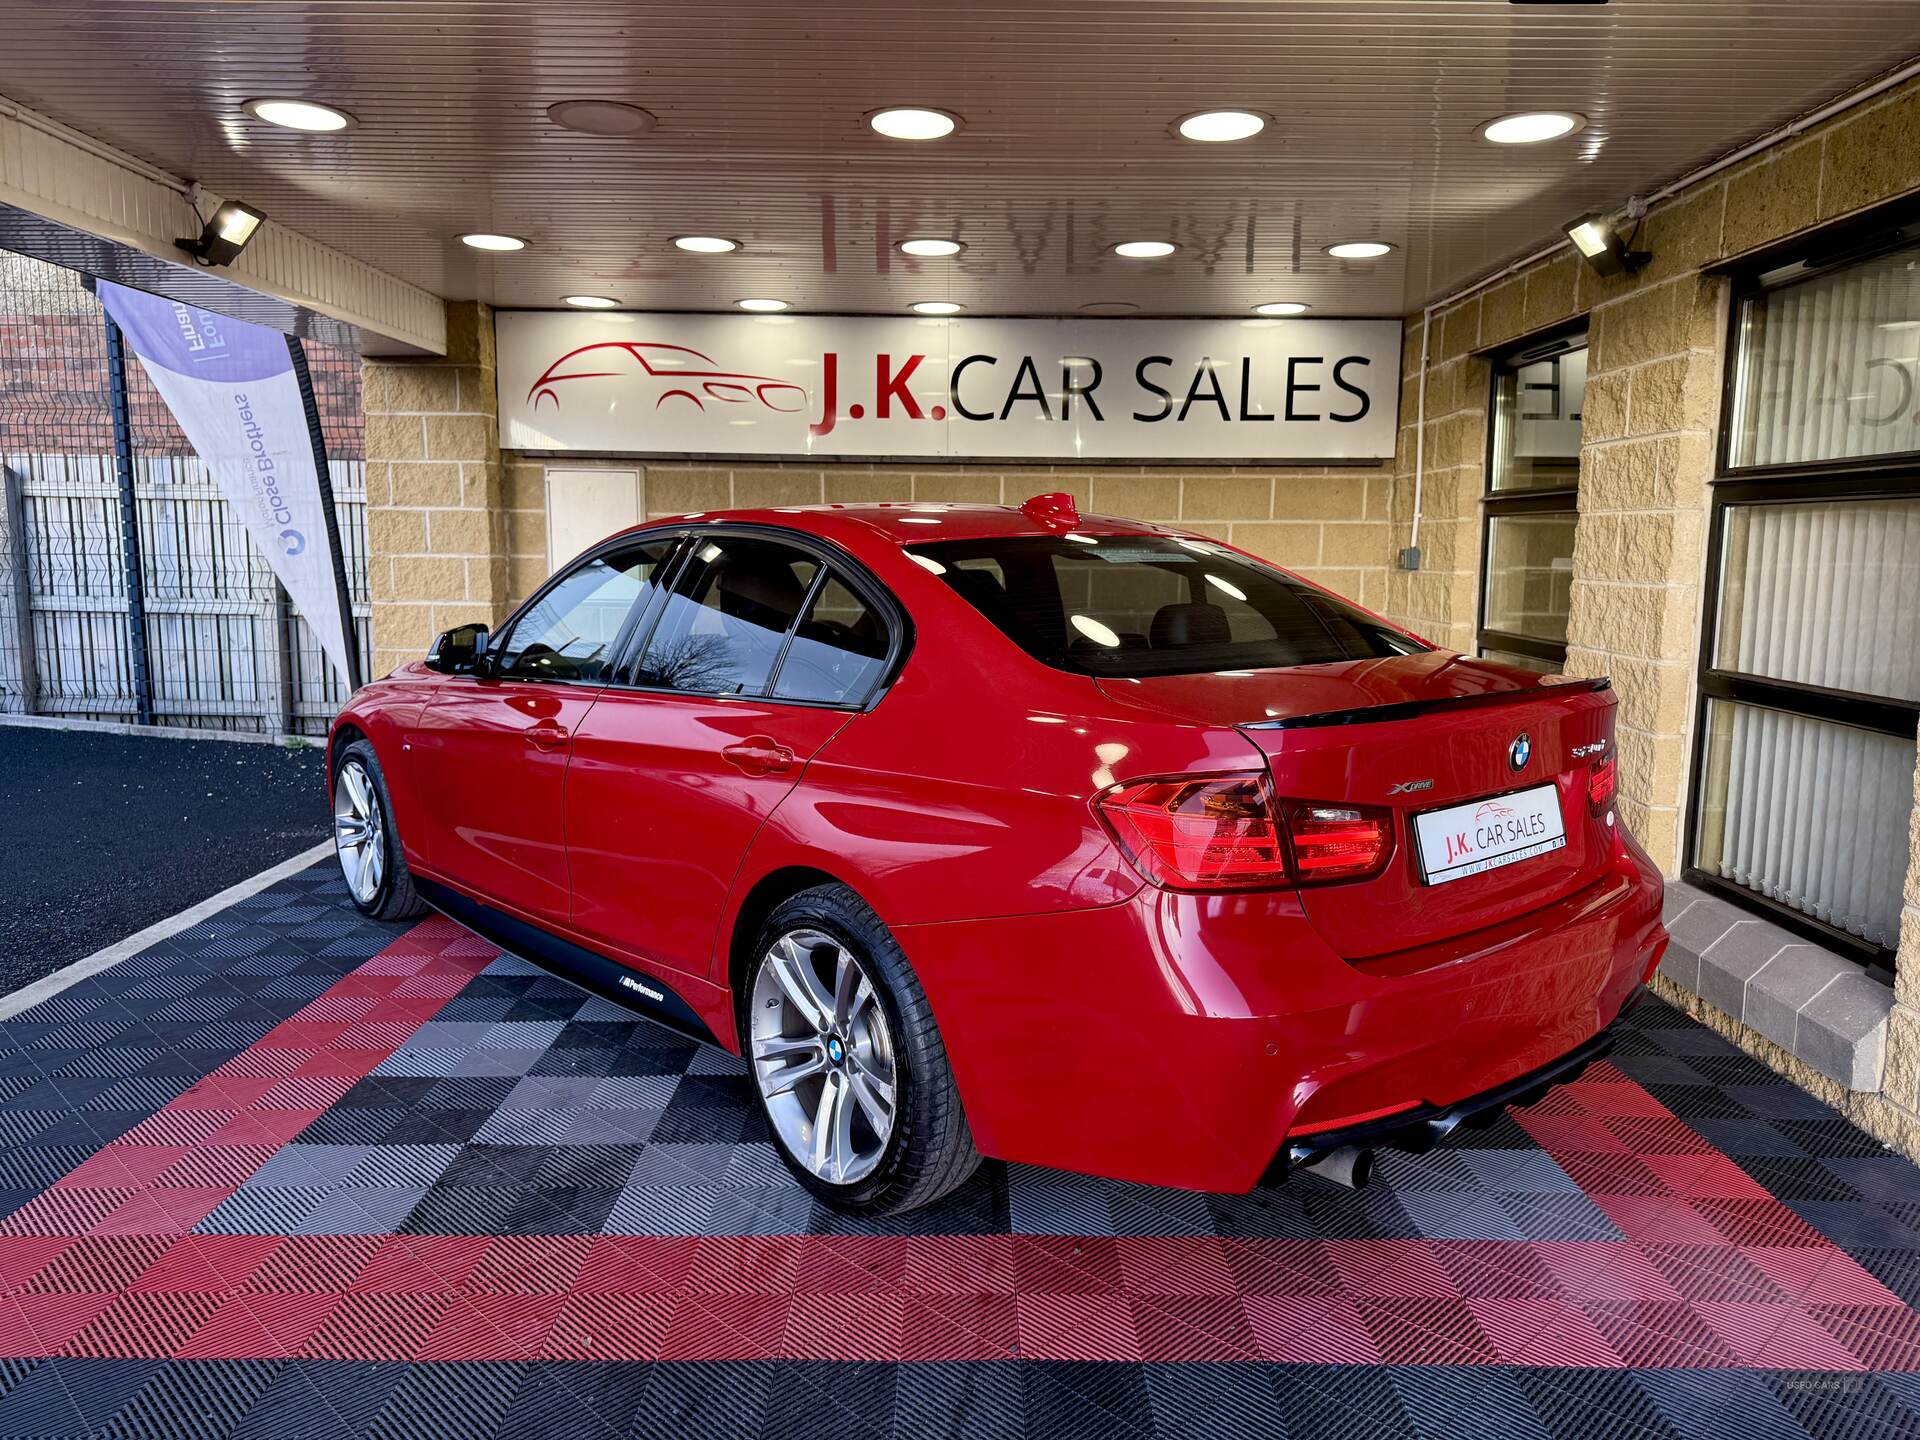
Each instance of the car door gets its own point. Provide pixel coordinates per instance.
(490, 751)
(761, 652)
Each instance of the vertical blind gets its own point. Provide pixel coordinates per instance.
(1815, 815)
(1829, 366)
(1826, 593)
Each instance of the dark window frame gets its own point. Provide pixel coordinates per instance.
(1497, 504)
(638, 629)
(832, 560)
(1895, 476)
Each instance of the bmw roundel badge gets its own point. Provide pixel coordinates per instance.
(1520, 751)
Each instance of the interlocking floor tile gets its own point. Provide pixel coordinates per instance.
(296, 1173)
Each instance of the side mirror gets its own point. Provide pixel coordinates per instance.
(459, 651)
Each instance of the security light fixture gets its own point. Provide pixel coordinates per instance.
(222, 238)
(1602, 246)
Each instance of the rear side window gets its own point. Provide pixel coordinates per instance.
(1129, 605)
(837, 653)
(569, 632)
(726, 621)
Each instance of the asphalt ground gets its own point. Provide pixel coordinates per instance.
(105, 834)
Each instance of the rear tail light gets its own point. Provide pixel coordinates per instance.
(1213, 834)
(1338, 842)
(1600, 785)
(1226, 833)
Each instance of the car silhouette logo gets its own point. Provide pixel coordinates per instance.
(1520, 751)
(670, 372)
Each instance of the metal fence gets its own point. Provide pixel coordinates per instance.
(224, 647)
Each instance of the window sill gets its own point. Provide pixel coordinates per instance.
(1818, 1005)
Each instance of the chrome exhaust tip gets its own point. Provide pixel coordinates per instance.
(1349, 1166)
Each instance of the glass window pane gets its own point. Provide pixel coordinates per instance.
(569, 633)
(1530, 574)
(1136, 605)
(1823, 594)
(838, 651)
(728, 617)
(1524, 662)
(1827, 367)
(1808, 813)
(1536, 426)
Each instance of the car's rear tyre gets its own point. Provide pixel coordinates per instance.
(365, 841)
(847, 1061)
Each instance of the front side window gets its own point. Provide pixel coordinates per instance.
(1810, 674)
(569, 633)
(1134, 606)
(726, 623)
(1532, 504)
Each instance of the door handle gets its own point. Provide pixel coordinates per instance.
(757, 755)
(547, 735)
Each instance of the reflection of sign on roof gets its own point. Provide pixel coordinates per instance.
(673, 371)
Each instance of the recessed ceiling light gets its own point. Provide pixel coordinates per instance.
(300, 115)
(1533, 127)
(1108, 307)
(911, 123)
(601, 117)
(590, 302)
(1145, 249)
(936, 307)
(762, 307)
(1217, 126)
(1359, 249)
(931, 247)
(1281, 307)
(483, 240)
(705, 244)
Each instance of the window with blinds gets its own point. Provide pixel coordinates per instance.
(1811, 670)
(1532, 503)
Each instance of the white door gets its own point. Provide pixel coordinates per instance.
(586, 506)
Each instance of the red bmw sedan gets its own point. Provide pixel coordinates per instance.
(1019, 833)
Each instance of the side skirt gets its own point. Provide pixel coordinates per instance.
(645, 995)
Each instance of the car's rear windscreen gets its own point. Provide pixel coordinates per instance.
(1130, 605)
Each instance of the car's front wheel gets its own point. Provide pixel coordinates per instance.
(365, 841)
(847, 1061)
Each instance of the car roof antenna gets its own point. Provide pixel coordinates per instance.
(1054, 509)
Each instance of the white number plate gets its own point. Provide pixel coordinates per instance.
(1483, 835)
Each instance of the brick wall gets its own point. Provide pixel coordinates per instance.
(437, 517)
(1329, 524)
(1647, 457)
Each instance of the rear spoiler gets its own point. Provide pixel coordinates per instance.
(1407, 709)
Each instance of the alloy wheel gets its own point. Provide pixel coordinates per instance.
(823, 1056)
(358, 833)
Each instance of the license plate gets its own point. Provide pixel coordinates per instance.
(1483, 835)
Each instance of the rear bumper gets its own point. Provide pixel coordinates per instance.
(1418, 1130)
(1184, 1040)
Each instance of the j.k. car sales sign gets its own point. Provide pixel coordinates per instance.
(1300, 389)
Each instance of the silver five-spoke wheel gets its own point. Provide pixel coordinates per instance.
(358, 833)
(823, 1056)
